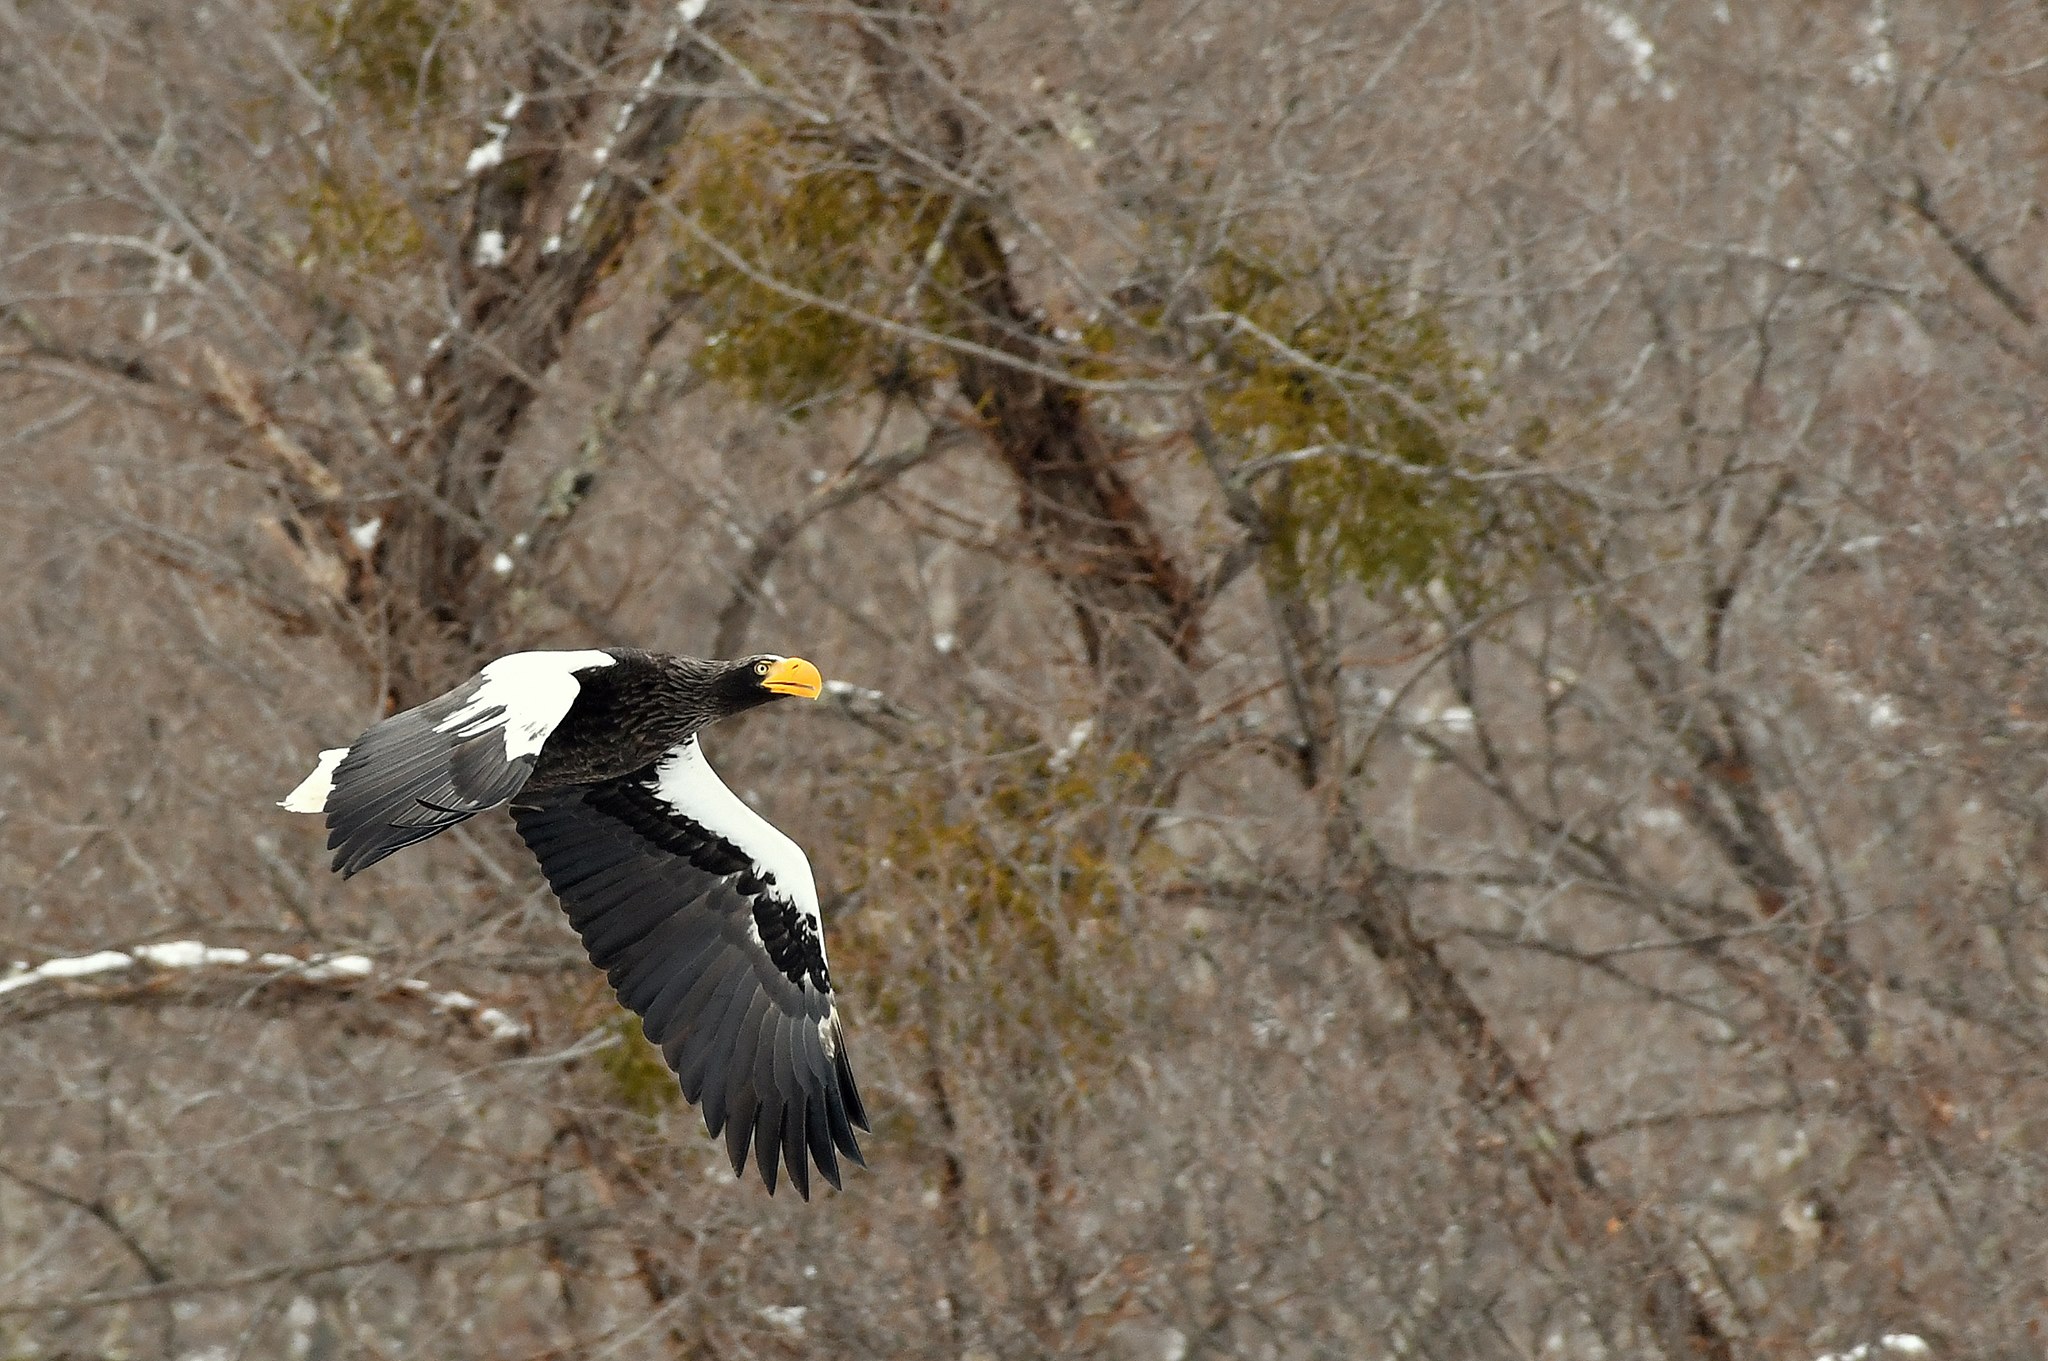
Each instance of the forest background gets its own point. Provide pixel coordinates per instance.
(1441, 625)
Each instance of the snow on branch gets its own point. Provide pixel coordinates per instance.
(858, 702)
(187, 971)
(686, 14)
(491, 151)
(1893, 1344)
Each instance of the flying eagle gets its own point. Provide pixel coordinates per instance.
(701, 913)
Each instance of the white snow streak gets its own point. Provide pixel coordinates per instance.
(686, 14)
(79, 966)
(1656, 819)
(364, 535)
(1628, 35)
(492, 152)
(1897, 1344)
(1880, 711)
(1879, 64)
(1077, 738)
(788, 1317)
(490, 249)
(325, 967)
(494, 1023)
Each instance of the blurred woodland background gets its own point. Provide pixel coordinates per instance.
(1442, 617)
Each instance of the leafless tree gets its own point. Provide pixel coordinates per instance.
(1440, 645)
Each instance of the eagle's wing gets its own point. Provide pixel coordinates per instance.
(423, 771)
(705, 918)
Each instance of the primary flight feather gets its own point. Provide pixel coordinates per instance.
(702, 914)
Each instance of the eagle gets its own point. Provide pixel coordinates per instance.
(702, 914)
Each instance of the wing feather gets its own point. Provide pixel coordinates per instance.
(725, 1056)
(421, 772)
(708, 927)
(795, 1147)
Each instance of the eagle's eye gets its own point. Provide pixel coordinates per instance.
(760, 668)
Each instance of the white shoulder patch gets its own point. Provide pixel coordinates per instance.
(534, 690)
(311, 794)
(686, 782)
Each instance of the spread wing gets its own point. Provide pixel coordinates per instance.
(705, 918)
(423, 771)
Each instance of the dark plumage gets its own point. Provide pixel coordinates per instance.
(703, 915)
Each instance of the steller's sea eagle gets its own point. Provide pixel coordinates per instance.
(701, 913)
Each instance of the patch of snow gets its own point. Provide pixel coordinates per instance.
(1660, 819)
(501, 1025)
(1892, 1344)
(300, 1316)
(1880, 711)
(1621, 27)
(788, 1317)
(1879, 64)
(496, 1024)
(1456, 720)
(499, 129)
(364, 535)
(686, 14)
(490, 249)
(1077, 738)
(82, 966)
(502, 564)
(188, 954)
(191, 954)
(78, 966)
(339, 966)
(857, 698)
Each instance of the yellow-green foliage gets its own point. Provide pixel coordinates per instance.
(394, 52)
(1004, 889)
(1382, 390)
(355, 222)
(822, 226)
(639, 1076)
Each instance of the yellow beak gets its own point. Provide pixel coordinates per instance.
(794, 676)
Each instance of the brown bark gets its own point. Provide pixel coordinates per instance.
(1597, 1218)
(565, 220)
(1135, 606)
(1138, 611)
